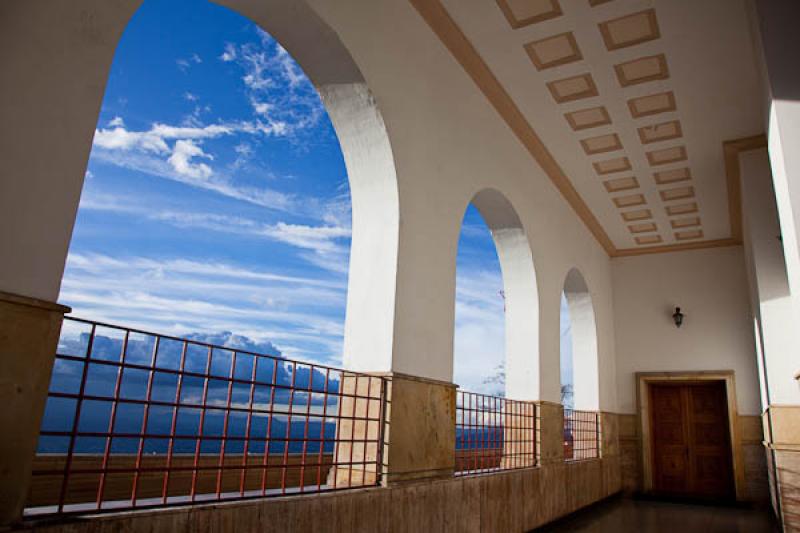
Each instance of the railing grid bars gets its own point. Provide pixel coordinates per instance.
(494, 433)
(137, 420)
(582, 435)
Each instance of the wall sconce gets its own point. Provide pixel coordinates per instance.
(677, 316)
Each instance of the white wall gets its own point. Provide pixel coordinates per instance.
(771, 301)
(776, 32)
(449, 143)
(710, 286)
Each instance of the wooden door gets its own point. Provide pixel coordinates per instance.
(691, 452)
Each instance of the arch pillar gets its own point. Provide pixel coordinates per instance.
(521, 294)
(585, 369)
(56, 57)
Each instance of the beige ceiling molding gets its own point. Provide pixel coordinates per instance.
(449, 33)
(598, 2)
(645, 227)
(666, 155)
(672, 176)
(688, 235)
(592, 117)
(648, 239)
(652, 104)
(601, 144)
(678, 223)
(554, 51)
(629, 200)
(660, 132)
(521, 13)
(681, 209)
(642, 70)
(453, 38)
(630, 30)
(636, 214)
(731, 150)
(676, 193)
(570, 89)
(621, 184)
(680, 247)
(611, 166)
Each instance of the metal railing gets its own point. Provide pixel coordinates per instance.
(137, 419)
(581, 435)
(493, 433)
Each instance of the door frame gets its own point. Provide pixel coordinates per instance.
(643, 382)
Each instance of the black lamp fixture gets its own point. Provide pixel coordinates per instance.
(677, 316)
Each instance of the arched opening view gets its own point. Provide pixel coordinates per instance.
(579, 370)
(495, 329)
(479, 339)
(215, 211)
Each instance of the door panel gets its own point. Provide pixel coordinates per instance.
(691, 443)
(671, 439)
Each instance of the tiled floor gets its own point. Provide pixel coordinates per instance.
(622, 515)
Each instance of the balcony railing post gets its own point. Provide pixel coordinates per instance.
(551, 433)
(29, 330)
(416, 435)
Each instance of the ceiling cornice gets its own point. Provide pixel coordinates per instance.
(453, 38)
(443, 25)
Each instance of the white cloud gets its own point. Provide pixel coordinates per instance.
(229, 54)
(291, 71)
(279, 91)
(185, 63)
(324, 244)
(116, 121)
(150, 152)
(181, 160)
(261, 108)
(121, 139)
(479, 341)
(189, 96)
(301, 316)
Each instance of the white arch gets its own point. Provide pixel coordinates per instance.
(65, 70)
(586, 382)
(521, 293)
(369, 320)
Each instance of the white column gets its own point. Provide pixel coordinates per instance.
(780, 39)
(55, 59)
(772, 300)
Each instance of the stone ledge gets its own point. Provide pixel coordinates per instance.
(33, 302)
(513, 500)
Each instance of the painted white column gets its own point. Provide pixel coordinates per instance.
(779, 41)
(773, 303)
(585, 375)
(55, 59)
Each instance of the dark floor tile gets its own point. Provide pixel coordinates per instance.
(621, 515)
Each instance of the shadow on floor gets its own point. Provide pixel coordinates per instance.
(621, 515)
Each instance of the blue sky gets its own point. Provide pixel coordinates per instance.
(216, 199)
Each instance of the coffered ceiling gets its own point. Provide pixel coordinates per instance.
(628, 102)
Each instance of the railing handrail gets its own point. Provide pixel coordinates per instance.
(279, 357)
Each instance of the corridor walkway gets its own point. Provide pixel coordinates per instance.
(621, 515)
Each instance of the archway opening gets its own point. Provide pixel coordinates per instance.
(518, 295)
(216, 211)
(479, 338)
(496, 341)
(579, 363)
